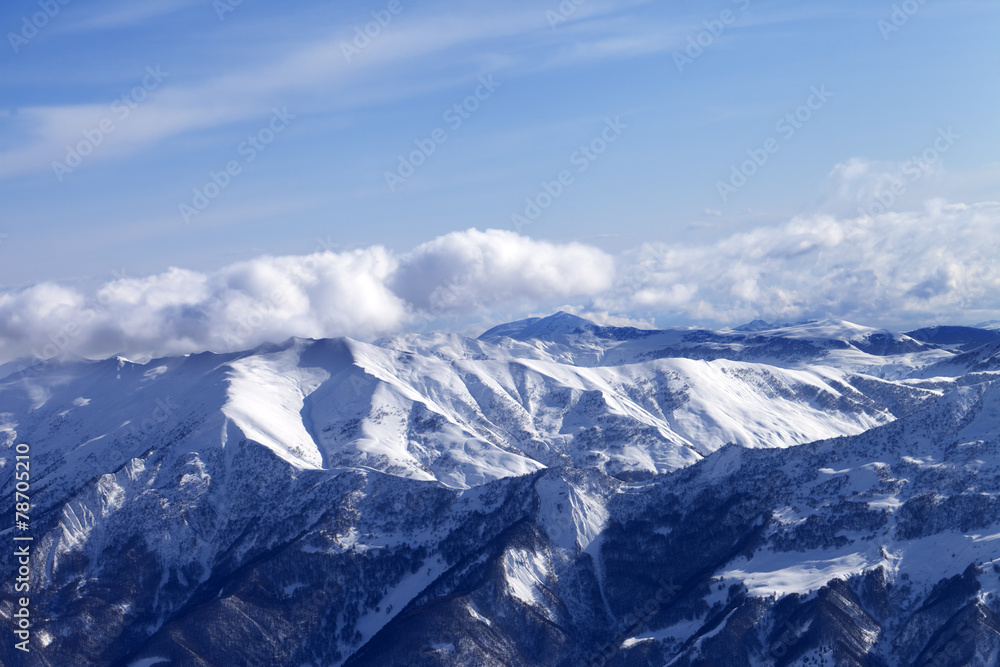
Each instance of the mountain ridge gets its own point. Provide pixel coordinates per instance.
(438, 499)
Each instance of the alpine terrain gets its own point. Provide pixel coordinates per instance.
(553, 492)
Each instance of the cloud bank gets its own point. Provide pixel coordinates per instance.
(933, 265)
(895, 269)
(363, 293)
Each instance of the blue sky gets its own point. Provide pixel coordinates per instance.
(896, 76)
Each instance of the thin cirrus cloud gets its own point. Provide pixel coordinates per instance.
(108, 16)
(420, 53)
(897, 268)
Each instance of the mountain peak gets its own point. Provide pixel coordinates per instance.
(558, 324)
(757, 325)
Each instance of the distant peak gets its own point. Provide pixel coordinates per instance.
(563, 318)
(559, 323)
(757, 325)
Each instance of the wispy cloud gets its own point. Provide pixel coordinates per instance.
(411, 57)
(108, 16)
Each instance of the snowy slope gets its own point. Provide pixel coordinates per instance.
(844, 345)
(552, 493)
(456, 411)
(876, 549)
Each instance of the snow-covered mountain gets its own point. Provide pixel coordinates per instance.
(552, 493)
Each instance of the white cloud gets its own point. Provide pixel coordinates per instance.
(474, 269)
(362, 293)
(897, 269)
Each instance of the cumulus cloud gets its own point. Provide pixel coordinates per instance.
(868, 187)
(480, 270)
(937, 264)
(363, 294)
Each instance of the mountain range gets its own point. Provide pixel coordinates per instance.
(553, 492)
